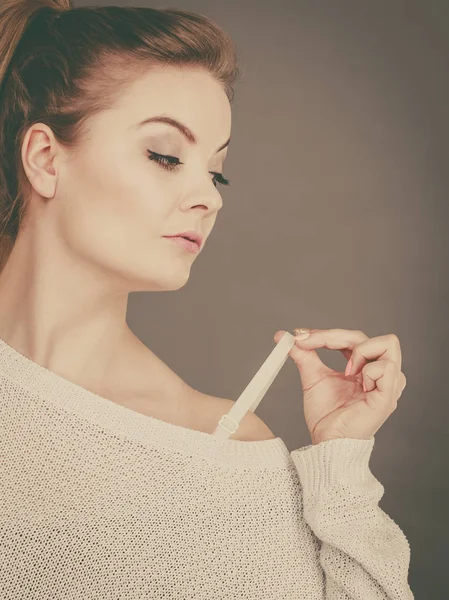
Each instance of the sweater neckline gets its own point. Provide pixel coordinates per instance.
(119, 420)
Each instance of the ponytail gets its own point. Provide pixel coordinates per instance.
(15, 18)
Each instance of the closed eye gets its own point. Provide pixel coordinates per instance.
(171, 163)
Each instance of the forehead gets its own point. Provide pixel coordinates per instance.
(193, 96)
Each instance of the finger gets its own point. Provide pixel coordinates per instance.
(309, 364)
(401, 382)
(381, 377)
(385, 347)
(355, 344)
(344, 340)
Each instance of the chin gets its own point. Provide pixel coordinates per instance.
(165, 284)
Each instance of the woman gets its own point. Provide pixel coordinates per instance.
(115, 124)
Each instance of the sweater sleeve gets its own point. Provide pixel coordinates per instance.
(363, 553)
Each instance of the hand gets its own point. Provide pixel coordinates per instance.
(336, 406)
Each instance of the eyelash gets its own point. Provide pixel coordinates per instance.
(171, 163)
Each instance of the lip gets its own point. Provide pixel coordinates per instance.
(193, 235)
(188, 245)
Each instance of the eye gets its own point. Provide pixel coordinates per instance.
(167, 162)
(171, 163)
(218, 178)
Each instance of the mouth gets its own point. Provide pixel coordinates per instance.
(184, 242)
(191, 236)
(189, 239)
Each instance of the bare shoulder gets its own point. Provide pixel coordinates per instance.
(181, 404)
(251, 428)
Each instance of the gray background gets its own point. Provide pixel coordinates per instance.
(336, 217)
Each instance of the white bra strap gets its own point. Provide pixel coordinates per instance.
(256, 389)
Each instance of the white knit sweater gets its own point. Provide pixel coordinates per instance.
(100, 502)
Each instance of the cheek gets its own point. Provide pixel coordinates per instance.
(113, 214)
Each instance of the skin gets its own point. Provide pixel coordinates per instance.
(94, 226)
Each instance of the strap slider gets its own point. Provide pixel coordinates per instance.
(225, 428)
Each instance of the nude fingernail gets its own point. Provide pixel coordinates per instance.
(302, 336)
(348, 367)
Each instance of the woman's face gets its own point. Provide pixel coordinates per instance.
(113, 205)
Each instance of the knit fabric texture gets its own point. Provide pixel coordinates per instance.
(100, 502)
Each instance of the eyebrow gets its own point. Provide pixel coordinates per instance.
(186, 132)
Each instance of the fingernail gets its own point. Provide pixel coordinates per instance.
(348, 367)
(302, 336)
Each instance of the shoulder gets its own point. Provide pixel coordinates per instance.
(251, 428)
(194, 408)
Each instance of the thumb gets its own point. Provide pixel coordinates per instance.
(308, 362)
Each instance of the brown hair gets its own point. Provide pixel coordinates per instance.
(61, 66)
